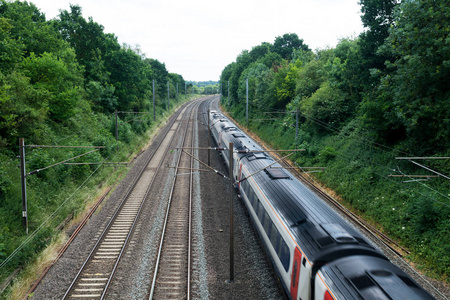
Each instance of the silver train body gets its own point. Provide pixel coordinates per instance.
(316, 254)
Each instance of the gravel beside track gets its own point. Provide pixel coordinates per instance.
(254, 277)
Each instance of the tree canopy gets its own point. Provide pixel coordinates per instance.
(370, 99)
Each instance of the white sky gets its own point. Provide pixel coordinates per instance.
(198, 38)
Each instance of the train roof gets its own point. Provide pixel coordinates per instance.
(323, 234)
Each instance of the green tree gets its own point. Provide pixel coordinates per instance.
(311, 74)
(58, 79)
(225, 78)
(327, 109)
(377, 17)
(11, 50)
(88, 39)
(286, 45)
(258, 80)
(160, 75)
(285, 81)
(93, 48)
(417, 90)
(29, 26)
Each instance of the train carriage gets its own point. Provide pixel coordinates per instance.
(307, 241)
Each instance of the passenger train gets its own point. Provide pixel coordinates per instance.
(316, 254)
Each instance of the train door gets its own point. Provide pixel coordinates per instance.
(296, 265)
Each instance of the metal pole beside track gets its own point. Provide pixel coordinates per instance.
(231, 214)
(296, 128)
(117, 127)
(246, 106)
(209, 140)
(228, 94)
(23, 175)
(154, 113)
(168, 94)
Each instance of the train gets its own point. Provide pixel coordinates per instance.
(315, 253)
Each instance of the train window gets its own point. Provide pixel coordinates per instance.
(243, 184)
(267, 222)
(284, 254)
(247, 188)
(260, 212)
(280, 243)
(255, 203)
(273, 236)
(251, 196)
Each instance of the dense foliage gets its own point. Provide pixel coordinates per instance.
(205, 87)
(382, 95)
(61, 82)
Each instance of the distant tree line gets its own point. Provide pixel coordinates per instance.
(205, 87)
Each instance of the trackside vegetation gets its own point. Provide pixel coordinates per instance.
(360, 106)
(61, 82)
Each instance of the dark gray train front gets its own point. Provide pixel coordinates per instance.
(363, 277)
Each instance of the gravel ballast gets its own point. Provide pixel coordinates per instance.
(254, 277)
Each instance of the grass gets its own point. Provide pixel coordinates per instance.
(45, 246)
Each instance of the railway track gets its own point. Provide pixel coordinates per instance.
(172, 275)
(171, 279)
(97, 272)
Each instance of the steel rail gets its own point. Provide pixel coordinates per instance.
(166, 218)
(191, 191)
(118, 209)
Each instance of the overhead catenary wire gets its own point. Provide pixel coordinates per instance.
(41, 226)
(426, 186)
(371, 143)
(57, 146)
(268, 166)
(429, 169)
(138, 117)
(424, 279)
(336, 130)
(62, 162)
(363, 140)
(206, 165)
